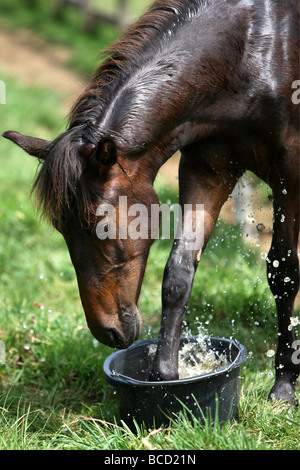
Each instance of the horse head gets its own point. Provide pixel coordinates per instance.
(78, 182)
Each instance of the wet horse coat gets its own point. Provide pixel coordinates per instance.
(213, 79)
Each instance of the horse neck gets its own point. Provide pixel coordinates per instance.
(157, 103)
(152, 118)
(161, 107)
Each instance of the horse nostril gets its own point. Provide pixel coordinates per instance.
(114, 337)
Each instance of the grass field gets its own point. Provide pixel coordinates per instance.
(52, 389)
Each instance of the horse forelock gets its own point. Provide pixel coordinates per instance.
(60, 187)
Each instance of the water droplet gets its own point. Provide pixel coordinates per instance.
(294, 322)
(284, 191)
(260, 227)
(275, 263)
(264, 255)
(287, 279)
(270, 353)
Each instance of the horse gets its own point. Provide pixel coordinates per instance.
(213, 79)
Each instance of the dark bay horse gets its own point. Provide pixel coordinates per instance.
(211, 78)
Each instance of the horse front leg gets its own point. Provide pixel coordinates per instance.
(283, 278)
(176, 289)
(202, 193)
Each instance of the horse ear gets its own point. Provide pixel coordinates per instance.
(32, 145)
(106, 152)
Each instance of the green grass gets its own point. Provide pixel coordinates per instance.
(52, 389)
(135, 7)
(261, 427)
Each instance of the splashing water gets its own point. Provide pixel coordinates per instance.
(196, 358)
(294, 322)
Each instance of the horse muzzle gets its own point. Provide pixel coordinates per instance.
(117, 333)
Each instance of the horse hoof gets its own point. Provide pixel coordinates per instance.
(283, 392)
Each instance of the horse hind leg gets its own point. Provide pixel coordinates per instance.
(283, 278)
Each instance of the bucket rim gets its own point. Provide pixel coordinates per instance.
(116, 378)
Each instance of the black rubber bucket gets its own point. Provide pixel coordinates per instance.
(215, 394)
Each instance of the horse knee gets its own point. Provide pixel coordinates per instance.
(177, 283)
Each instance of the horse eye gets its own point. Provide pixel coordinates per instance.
(100, 230)
(93, 231)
